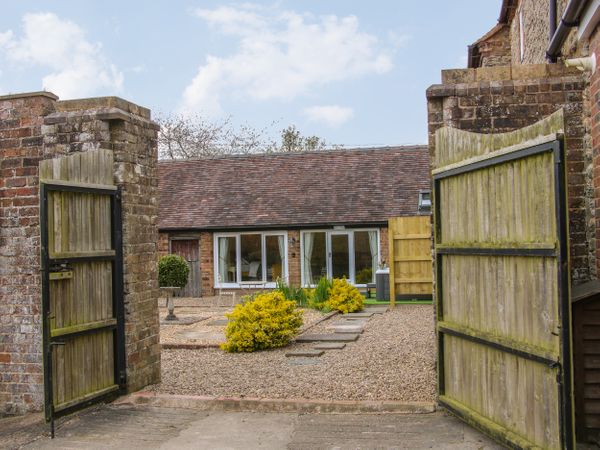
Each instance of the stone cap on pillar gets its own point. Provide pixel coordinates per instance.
(50, 95)
(103, 103)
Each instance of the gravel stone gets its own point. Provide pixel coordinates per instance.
(394, 359)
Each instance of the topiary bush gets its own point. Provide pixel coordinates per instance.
(268, 321)
(173, 271)
(344, 297)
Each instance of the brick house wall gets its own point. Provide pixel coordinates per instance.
(34, 127)
(500, 99)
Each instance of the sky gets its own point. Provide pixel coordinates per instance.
(351, 72)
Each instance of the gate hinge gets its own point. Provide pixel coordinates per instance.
(122, 377)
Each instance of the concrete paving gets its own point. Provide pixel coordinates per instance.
(144, 427)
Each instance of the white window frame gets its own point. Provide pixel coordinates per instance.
(328, 232)
(238, 252)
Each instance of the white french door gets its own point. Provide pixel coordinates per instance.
(339, 255)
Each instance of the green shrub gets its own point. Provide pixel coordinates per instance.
(364, 276)
(320, 295)
(173, 271)
(294, 294)
(267, 321)
(344, 297)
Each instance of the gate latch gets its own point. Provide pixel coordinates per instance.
(60, 272)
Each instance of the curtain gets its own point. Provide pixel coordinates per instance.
(281, 242)
(374, 252)
(223, 256)
(308, 248)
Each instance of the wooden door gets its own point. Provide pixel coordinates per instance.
(82, 281)
(502, 283)
(189, 250)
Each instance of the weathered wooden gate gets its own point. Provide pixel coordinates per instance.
(82, 281)
(410, 258)
(502, 282)
(189, 250)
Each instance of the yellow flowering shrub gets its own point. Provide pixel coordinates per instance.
(344, 297)
(267, 321)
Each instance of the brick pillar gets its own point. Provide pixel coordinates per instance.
(500, 99)
(595, 127)
(207, 271)
(126, 129)
(294, 258)
(21, 370)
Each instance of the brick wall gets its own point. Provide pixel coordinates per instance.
(21, 370)
(34, 127)
(500, 99)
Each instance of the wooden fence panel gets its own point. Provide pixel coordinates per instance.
(410, 257)
(502, 283)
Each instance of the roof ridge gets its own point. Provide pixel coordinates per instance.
(416, 147)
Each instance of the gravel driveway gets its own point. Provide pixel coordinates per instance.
(392, 360)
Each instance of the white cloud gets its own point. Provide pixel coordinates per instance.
(281, 55)
(78, 67)
(332, 115)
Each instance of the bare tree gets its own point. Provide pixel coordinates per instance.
(190, 137)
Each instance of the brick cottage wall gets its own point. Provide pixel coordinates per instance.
(500, 99)
(56, 129)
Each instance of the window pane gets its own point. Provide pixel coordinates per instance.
(275, 248)
(251, 253)
(340, 261)
(314, 257)
(365, 256)
(227, 259)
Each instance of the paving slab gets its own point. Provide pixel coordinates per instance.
(348, 328)
(218, 322)
(181, 320)
(148, 428)
(331, 337)
(329, 346)
(306, 353)
(359, 314)
(303, 361)
(376, 309)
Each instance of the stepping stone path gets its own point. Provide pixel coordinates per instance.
(347, 328)
(329, 346)
(218, 322)
(307, 353)
(331, 337)
(343, 328)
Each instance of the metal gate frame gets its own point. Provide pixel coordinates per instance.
(564, 374)
(47, 266)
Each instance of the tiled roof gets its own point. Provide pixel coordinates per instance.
(353, 186)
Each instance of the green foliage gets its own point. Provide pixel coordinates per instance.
(293, 141)
(320, 295)
(344, 297)
(364, 276)
(267, 321)
(294, 294)
(173, 271)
